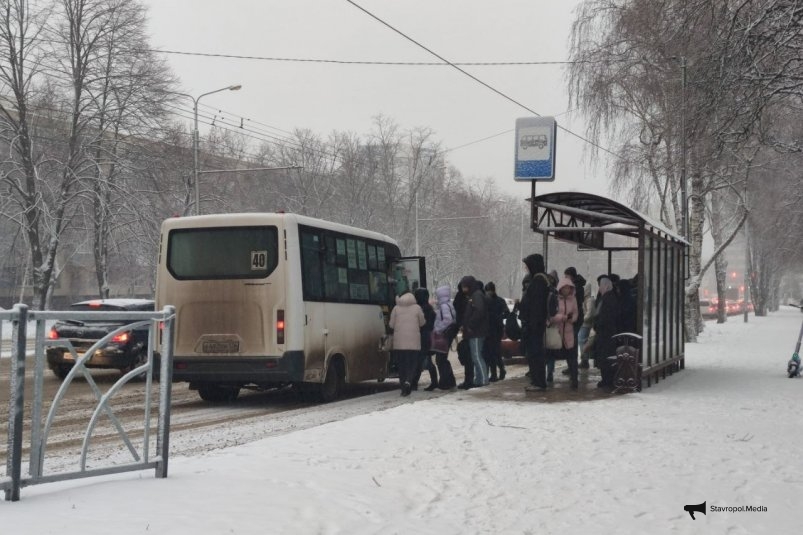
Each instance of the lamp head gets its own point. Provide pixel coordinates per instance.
(235, 87)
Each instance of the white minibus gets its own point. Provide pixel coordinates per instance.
(266, 300)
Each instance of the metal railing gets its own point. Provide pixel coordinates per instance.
(19, 318)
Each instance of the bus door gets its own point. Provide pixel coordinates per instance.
(315, 338)
(408, 273)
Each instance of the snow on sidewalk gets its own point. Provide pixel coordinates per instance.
(724, 431)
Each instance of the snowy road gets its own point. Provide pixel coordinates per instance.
(191, 419)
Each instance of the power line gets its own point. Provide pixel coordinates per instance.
(367, 62)
(222, 124)
(466, 73)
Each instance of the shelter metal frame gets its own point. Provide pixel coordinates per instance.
(586, 220)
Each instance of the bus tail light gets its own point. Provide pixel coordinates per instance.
(280, 326)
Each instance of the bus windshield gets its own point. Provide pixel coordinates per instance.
(222, 253)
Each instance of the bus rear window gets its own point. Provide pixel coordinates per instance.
(222, 253)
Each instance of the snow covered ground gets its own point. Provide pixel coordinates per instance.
(724, 431)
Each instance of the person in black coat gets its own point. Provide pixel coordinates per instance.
(497, 312)
(475, 328)
(463, 354)
(607, 323)
(425, 362)
(533, 308)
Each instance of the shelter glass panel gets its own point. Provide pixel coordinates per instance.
(647, 303)
(655, 325)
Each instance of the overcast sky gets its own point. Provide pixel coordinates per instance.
(327, 97)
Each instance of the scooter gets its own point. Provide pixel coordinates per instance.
(793, 366)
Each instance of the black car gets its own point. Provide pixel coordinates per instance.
(125, 351)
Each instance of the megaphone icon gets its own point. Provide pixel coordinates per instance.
(700, 507)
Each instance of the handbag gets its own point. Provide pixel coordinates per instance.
(439, 342)
(450, 332)
(553, 338)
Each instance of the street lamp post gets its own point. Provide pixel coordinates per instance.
(683, 185)
(684, 197)
(195, 169)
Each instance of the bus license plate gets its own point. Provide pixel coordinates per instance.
(221, 346)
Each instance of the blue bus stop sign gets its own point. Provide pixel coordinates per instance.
(535, 148)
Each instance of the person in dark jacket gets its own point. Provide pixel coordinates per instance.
(497, 312)
(533, 308)
(607, 323)
(579, 293)
(425, 361)
(475, 327)
(627, 291)
(459, 304)
(525, 282)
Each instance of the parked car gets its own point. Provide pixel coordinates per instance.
(708, 309)
(124, 352)
(511, 348)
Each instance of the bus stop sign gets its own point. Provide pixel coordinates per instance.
(535, 148)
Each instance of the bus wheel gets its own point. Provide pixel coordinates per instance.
(218, 394)
(332, 386)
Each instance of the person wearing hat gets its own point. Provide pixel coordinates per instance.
(475, 329)
(607, 323)
(497, 311)
(579, 293)
(533, 308)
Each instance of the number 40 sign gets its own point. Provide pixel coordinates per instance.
(259, 260)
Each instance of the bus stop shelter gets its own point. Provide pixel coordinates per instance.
(596, 223)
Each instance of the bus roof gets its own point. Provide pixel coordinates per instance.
(262, 218)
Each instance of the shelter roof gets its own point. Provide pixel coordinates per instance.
(584, 218)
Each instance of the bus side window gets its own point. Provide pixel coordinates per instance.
(311, 268)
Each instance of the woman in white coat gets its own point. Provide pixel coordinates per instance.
(406, 320)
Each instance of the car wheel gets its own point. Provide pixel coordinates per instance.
(62, 371)
(139, 358)
(332, 386)
(218, 393)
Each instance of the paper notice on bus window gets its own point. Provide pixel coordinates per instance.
(351, 251)
(259, 260)
(362, 257)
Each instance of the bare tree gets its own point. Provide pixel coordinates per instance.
(737, 58)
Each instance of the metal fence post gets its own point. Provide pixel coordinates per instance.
(17, 401)
(165, 389)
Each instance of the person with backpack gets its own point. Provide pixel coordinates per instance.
(533, 308)
(444, 331)
(497, 311)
